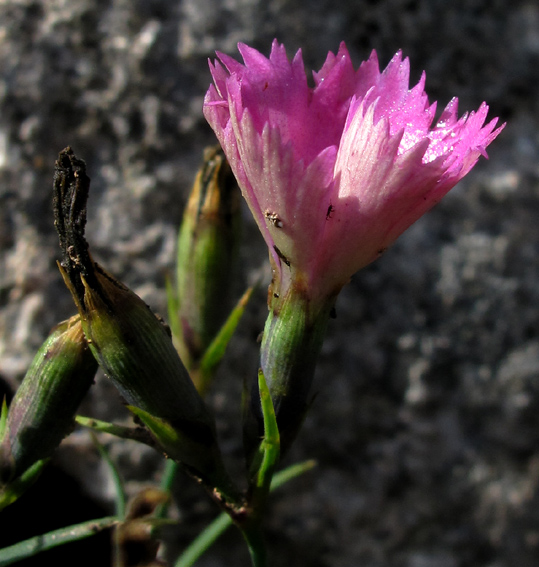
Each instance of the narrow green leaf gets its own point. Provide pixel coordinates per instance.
(196, 448)
(269, 449)
(16, 488)
(3, 418)
(204, 541)
(166, 435)
(217, 348)
(40, 543)
(133, 433)
(120, 499)
(290, 473)
(271, 441)
(172, 441)
(167, 481)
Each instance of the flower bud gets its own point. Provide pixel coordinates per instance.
(41, 413)
(135, 350)
(207, 246)
(131, 344)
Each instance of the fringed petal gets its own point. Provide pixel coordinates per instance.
(335, 173)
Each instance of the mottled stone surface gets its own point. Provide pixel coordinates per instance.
(426, 423)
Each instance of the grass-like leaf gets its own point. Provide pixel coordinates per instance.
(120, 500)
(3, 418)
(14, 489)
(215, 352)
(37, 544)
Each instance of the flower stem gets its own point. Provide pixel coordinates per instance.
(256, 545)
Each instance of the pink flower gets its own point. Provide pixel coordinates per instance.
(334, 173)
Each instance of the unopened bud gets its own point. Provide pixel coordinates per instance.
(135, 350)
(131, 344)
(207, 246)
(41, 413)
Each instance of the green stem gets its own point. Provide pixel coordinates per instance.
(255, 543)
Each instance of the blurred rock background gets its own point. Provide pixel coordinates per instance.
(426, 423)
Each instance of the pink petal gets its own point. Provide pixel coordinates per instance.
(335, 173)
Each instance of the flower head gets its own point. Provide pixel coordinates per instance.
(334, 173)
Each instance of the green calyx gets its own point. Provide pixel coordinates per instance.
(42, 411)
(292, 340)
(136, 352)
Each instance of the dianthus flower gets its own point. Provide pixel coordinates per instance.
(333, 174)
